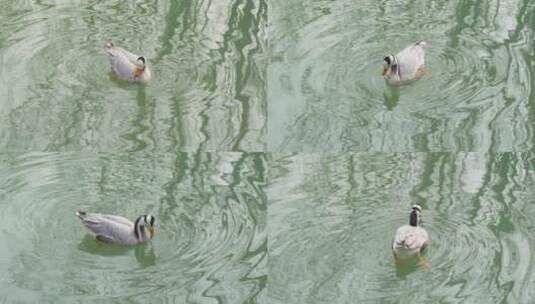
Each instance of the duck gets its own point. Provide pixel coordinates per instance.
(406, 66)
(127, 66)
(410, 240)
(117, 229)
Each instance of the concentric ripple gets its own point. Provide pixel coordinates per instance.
(207, 90)
(210, 240)
(332, 220)
(326, 91)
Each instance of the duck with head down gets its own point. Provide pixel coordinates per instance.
(406, 66)
(127, 66)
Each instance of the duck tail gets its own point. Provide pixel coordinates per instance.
(422, 43)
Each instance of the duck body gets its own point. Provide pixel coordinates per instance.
(406, 66)
(410, 240)
(127, 66)
(117, 229)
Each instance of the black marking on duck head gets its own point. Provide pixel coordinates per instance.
(138, 226)
(415, 216)
(149, 219)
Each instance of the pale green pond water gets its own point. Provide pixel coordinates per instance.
(210, 244)
(206, 94)
(276, 161)
(326, 93)
(331, 220)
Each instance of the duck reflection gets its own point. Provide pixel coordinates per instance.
(391, 97)
(144, 253)
(407, 266)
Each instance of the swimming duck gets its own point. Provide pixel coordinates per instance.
(405, 66)
(117, 229)
(127, 66)
(410, 239)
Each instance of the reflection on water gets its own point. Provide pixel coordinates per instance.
(144, 254)
(332, 220)
(210, 241)
(331, 217)
(391, 96)
(207, 91)
(409, 266)
(326, 92)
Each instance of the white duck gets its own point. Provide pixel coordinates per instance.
(117, 229)
(411, 239)
(127, 66)
(406, 66)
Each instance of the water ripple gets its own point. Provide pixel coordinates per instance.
(332, 219)
(327, 92)
(205, 56)
(210, 240)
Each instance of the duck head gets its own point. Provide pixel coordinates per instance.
(145, 221)
(150, 221)
(140, 66)
(389, 66)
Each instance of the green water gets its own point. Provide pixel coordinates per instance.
(207, 92)
(332, 219)
(326, 93)
(275, 159)
(210, 242)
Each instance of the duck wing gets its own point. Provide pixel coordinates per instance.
(118, 219)
(410, 238)
(411, 59)
(119, 52)
(122, 62)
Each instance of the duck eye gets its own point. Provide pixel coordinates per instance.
(142, 59)
(387, 60)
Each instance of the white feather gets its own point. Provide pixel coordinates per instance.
(124, 64)
(113, 228)
(411, 62)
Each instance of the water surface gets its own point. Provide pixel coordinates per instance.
(326, 93)
(207, 92)
(210, 244)
(332, 219)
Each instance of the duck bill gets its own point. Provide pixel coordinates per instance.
(151, 232)
(383, 71)
(138, 72)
